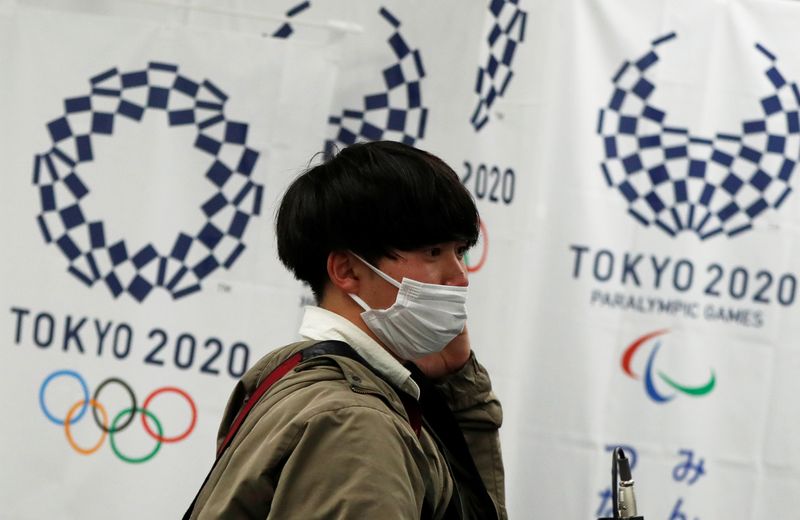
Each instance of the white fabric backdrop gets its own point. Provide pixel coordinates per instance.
(146, 183)
(565, 280)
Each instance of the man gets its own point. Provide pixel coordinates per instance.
(354, 430)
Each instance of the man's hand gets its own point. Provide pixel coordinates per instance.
(454, 356)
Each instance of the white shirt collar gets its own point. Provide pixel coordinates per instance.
(322, 324)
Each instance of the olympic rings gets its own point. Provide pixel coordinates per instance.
(119, 423)
(485, 239)
(132, 411)
(47, 382)
(160, 437)
(95, 405)
(130, 393)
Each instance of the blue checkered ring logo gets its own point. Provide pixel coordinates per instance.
(506, 32)
(394, 113)
(679, 181)
(93, 253)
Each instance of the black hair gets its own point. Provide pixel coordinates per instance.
(373, 199)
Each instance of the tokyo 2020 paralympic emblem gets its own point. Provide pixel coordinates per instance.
(94, 252)
(660, 396)
(111, 427)
(683, 182)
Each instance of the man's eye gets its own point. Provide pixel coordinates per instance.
(435, 251)
(461, 251)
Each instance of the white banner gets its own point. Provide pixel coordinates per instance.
(633, 164)
(635, 284)
(143, 162)
(663, 224)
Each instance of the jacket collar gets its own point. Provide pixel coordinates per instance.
(321, 324)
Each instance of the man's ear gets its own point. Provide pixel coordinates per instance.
(341, 271)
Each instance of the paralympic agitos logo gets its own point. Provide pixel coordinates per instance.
(664, 387)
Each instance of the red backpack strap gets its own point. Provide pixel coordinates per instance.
(251, 400)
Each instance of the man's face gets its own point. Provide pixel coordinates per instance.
(441, 264)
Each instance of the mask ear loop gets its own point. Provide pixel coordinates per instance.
(359, 301)
(378, 272)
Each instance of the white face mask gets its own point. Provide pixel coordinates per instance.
(424, 318)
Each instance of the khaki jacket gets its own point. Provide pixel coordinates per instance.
(331, 440)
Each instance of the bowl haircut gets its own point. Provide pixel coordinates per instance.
(373, 199)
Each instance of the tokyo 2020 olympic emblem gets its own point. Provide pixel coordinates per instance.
(112, 427)
(683, 182)
(506, 33)
(94, 252)
(396, 111)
